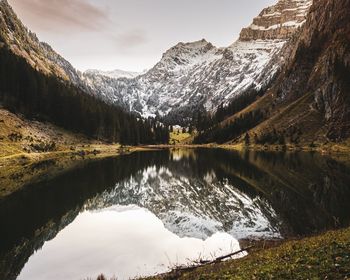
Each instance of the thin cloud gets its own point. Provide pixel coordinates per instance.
(131, 39)
(61, 15)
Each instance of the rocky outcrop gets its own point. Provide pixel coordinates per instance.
(277, 22)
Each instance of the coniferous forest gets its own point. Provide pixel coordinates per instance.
(211, 128)
(224, 133)
(46, 97)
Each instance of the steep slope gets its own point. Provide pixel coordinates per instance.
(198, 75)
(320, 66)
(24, 43)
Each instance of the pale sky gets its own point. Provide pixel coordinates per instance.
(132, 34)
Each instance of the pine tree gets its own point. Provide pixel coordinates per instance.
(247, 139)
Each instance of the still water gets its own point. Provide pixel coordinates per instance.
(144, 213)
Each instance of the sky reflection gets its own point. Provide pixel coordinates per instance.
(119, 241)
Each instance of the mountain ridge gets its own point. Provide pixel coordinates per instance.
(39, 83)
(190, 77)
(114, 74)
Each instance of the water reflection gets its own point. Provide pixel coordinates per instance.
(194, 206)
(192, 193)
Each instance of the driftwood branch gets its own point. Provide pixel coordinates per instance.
(207, 262)
(219, 259)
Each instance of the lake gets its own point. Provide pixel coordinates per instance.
(144, 213)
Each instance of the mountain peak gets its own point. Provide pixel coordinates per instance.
(200, 75)
(185, 53)
(195, 45)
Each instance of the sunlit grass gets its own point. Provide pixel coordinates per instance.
(179, 137)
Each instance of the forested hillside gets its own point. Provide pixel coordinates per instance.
(39, 83)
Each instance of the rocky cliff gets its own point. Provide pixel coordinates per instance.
(308, 104)
(320, 66)
(278, 21)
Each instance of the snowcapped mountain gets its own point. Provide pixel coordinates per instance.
(114, 74)
(199, 75)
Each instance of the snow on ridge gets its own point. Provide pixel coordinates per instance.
(193, 73)
(114, 74)
(184, 55)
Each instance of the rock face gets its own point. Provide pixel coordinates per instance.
(198, 75)
(277, 22)
(320, 65)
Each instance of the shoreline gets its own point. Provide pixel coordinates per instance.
(330, 149)
(21, 169)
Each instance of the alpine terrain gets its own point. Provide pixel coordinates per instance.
(214, 153)
(199, 76)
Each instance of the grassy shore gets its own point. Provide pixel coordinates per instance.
(328, 148)
(326, 256)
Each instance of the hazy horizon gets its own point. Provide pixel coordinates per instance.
(132, 35)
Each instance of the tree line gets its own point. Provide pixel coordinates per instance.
(46, 97)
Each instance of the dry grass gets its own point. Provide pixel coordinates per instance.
(178, 137)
